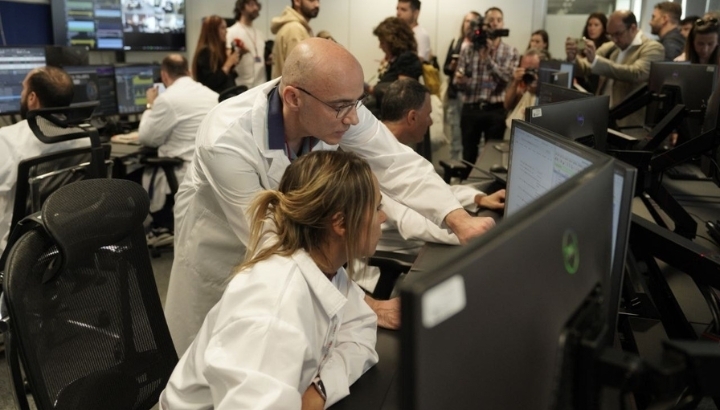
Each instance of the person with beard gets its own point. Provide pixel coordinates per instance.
(290, 28)
(42, 88)
(251, 67)
(244, 146)
(665, 23)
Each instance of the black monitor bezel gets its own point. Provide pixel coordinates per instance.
(588, 153)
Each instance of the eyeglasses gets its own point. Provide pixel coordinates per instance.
(618, 34)
(703, 22)
(341, 111)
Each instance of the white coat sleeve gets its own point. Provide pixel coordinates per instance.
(156, 124)
(255, 363)
(466, 195)
(403, 174)
(413, 226)
(354, 352)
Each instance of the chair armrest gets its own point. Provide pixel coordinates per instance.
(453, 168)
(162, 161)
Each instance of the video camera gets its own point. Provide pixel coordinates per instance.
(479, 34)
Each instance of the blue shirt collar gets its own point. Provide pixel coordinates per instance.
(276, 126)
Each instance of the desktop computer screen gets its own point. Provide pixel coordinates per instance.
(132, 82)
(539, 161)
(566, 160)
(95, 83)
(15, 64)
(584, 121)
(484, 326)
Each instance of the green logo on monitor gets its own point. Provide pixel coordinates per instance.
(571, 252)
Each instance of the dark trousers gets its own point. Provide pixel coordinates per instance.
(476, 119)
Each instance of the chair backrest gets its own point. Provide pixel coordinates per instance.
(232, 92)
(85, 314)
(40, 176)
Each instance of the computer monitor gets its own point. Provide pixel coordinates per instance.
(551, 93)
(566, 160)
(95, 83)
(680, 83)
(131, 82)
(539, 160)
(63, 56)
(484, 326)
(122, 25)
(550, 67)
(15, 64)
(584, 121)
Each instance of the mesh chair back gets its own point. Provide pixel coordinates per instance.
(39, 177)
(84, 308)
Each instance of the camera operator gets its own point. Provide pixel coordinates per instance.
(483, 73)
(522, 89)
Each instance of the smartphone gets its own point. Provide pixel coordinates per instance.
(580, 44)
(160, 87)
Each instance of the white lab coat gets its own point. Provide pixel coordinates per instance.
(277, 326)
(413, 227)
(171, 126)
(232, 163)
(17, 143)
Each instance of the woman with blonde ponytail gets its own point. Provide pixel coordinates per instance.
(292, 330)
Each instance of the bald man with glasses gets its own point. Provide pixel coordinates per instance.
(623, 64)
(243, 147)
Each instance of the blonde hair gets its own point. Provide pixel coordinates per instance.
(314, 188)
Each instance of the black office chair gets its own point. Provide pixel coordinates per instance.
(390, 271)
(83, 316)
(168, 165)
(38, 177)
(232, 92)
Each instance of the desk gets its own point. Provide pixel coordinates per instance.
(379, 388)
(126, 158)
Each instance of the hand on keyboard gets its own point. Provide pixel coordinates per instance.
(129, 138)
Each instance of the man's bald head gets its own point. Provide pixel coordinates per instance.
(317, 62)
(175, 65)
(622, 28)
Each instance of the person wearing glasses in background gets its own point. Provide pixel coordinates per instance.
(244, 146)
(623, 64)
(702, 42)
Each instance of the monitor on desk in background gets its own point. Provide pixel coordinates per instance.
(15, 64)
(680, 83)
(584, 121)
(95, 83)
(550, 71)
(484, 326)
(551, 93)
(132, 82)
(541, 159)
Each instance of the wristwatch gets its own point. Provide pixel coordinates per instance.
(320, 387)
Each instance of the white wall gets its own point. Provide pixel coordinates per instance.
(351, 22)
